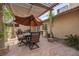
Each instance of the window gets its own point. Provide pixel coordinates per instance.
(44, 16)
(45, 27)
(62, 9)
(57, 9)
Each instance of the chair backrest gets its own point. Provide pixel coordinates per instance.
(19, 31)
(35, 36)
(19, 34)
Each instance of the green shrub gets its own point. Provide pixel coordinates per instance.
(72, 41)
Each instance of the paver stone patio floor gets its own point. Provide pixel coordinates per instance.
(46, 49)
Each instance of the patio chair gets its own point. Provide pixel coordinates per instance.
(34, 40)
(20, 37)
(19, 31)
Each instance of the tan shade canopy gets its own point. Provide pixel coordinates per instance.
(24, 10)
(28, 21)
(27, 13)
(27, 9)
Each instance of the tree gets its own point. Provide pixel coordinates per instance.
(7, 14)
(7, 20)
(1, 28)
(51, 20)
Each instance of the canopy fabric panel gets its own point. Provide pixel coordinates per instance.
(48, 4)
(28, 21)
(27, 9)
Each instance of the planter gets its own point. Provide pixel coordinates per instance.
(51, 39)
(50, 35)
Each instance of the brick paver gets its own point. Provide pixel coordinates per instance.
(46, 49)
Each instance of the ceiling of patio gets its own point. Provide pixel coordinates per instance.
(27, 9)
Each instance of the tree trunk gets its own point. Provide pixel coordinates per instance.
(2, 44)
(13, 31)
(51, 23)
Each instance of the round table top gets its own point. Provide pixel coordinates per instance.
(25, 34)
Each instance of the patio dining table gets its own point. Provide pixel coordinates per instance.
(27, 37)
(25, 34)
(30, 39)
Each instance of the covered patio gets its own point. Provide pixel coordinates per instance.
(26, 16)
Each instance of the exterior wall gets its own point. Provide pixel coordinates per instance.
(64, 8)
(73, 5)
(22, 27)
(41, 28)
(68, 7)
(66, 24)
(47, 22)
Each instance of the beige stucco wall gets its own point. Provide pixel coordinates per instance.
(73, 5)
(66, 24)
(48, 27)
(68, 7)
(23, 28)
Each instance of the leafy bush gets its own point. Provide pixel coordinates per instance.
(72, 41)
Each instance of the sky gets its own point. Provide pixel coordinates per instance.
(45, 15)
